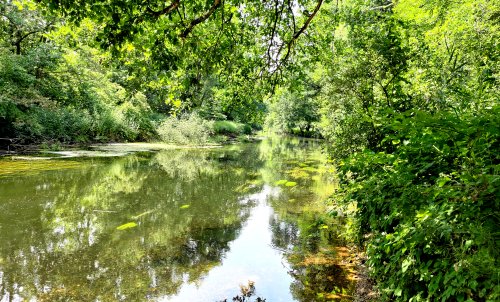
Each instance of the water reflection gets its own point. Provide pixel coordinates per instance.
(198, 224)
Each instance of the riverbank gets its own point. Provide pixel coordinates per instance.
(116, 148)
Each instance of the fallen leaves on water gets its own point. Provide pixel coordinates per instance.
(128, 225)
(142, 214)
(286, 183)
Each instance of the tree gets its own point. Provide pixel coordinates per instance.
(278, 24)
(21, 24)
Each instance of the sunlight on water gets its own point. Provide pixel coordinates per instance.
(251, 258)
(173, 225)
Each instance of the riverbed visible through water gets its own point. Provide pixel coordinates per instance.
(242, 221)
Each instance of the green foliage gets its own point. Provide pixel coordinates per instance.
(432, 206)
(406, 92)
(72, 103)
(189, 129)
(59, 124)
(294, 113)
(50, 92)
(410, 107)
(231, 128)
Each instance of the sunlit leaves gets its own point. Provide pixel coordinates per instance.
(428, 192)
(126, 226)
(281, 182)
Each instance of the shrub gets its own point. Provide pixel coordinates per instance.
(189, 129)
(62, 124)
(74, 102)
(231, 128)
(432, 207)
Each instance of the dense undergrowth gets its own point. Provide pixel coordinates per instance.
(54, 95)
(58, 86)
(429, 209)
(73, 103)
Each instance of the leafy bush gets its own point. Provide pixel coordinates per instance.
(189, 129)
(53, 95)
(231, 128)
(64, 125)
(431, 206)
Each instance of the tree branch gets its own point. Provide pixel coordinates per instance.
(297, 34)
(277, 17)
(180, 16)
(167, 10)
(200, 19)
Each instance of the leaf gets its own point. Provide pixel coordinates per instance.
(398, 292)
(142, 214)
(442, 181)
(185, 206)
(127, 225)
(290, 184)
(281, 182)
(406, 264)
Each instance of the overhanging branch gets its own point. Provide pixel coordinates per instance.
(200, 19)
(301, 30)
(167, 10)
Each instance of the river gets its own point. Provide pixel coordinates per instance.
(172, 225)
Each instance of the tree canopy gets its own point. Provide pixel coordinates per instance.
(405, 94)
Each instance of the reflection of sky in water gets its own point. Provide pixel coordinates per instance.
(200, 232)
(251, 257)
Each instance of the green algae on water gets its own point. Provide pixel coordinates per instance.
(13, 166)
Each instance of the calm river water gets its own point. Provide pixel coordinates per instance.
(175, 225)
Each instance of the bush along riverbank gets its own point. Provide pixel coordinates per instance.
(428, 206)
(184, 131)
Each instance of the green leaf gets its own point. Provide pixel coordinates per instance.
(185, 206)
(127, 225)
(442, 181)
(290, 184)
(398, 292)
(406, 264)
(281, 182)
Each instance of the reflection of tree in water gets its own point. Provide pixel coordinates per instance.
(315, 264)
(298, 226)
(285, 234)
(185, 165)
(321, 281)
(63, 245)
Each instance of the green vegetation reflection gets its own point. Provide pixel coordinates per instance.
(143, 225)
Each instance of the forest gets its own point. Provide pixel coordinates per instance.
(404, 93)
